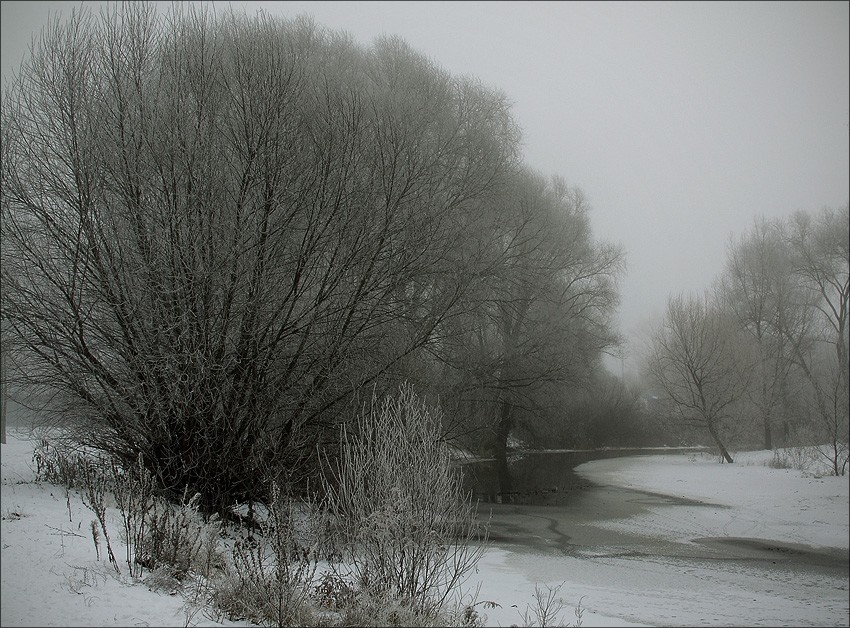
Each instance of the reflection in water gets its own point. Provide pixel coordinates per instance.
(542, 478)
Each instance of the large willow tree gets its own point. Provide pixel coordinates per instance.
(216, 228)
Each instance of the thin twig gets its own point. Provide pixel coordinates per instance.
(63, 532)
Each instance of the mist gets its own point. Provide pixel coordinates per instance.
(681, 122)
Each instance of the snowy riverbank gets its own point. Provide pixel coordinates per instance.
(745, 500)
(50, 576)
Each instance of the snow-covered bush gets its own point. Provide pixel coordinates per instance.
(404, 526)
(817, 460)
(798, 458)
(175, 535)
(273, 574)
(158, 534)
(134, 496)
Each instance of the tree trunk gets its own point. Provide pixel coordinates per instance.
(766, 413)
(500, 449)
(724, 453)
(716, 437)
(768, 435)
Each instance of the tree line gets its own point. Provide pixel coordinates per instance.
(219, 231)
(762, 358)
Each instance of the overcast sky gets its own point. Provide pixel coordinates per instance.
(680, 121)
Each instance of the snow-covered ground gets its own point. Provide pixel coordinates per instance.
(745, 500)
(51, 577)
(50, 573)
(776, 504)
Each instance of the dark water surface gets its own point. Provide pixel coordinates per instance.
(554, 510)
(545, 478)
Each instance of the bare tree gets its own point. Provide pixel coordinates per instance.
(540, 315)
(820, 248)
(697, 361)
(216, 229)
(758, 289)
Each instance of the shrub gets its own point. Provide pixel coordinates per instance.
(403, 523)
(273, 573)
(176, 536)
(56, 466)
(158, 534)
(798, 458)
(376, 610)
(548, 606)
(134, 494)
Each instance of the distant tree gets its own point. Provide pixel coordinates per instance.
(759, 291)
(697, 361)
(540, 314)
(818, 336)
(611, 414)
(599, 411)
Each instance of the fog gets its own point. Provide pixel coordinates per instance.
(681, 122)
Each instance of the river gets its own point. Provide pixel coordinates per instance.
(555, 517)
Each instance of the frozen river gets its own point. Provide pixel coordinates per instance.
(624, 550)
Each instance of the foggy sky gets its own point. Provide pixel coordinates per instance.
(682, 122)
